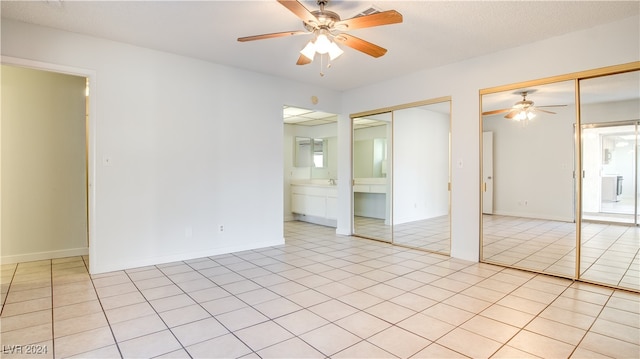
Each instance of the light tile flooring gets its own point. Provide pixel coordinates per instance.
(431, 234)
(610, 253)
(320, 295)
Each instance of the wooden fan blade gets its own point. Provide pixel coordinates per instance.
(303, 60)
(300, 11)
(360, 45)
(378, 19)
(271, 36)
(552, 106)
(545, 111)
(494, 112)
(511, 114)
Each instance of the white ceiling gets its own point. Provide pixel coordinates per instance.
(433, 33)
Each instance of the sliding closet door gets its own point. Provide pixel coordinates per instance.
(610, 236)
(421, 177)
(372, 176)
(531, 224)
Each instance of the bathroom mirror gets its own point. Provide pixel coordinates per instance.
(528, 188)
(372, 195)
(303, 151)
(311, 152)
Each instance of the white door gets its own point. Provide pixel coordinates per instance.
(487, 172)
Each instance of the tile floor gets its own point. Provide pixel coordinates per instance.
(431, 234)
(610, 253)
(320, 295)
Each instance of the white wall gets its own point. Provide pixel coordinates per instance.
(533, 165)
(601, 46)
(43, 165)
(192, 145)
(420, 165)
(176, 129)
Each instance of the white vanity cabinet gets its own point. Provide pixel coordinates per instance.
(315, 203)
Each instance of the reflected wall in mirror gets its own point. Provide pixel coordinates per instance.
(610, 236)
(528, 187)
(372, 194)
(421, 177)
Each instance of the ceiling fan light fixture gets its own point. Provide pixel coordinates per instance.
(322, 44)
(524, 115)
(334, 51)
(309, 51)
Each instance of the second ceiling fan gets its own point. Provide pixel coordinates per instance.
(326, 26)
(523, 109)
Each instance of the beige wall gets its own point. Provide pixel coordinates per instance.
(43, 161)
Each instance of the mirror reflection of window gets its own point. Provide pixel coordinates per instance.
(319, 149)
(303, 152)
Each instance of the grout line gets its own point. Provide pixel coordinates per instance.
(103, 312)
(587, 331)
(13, 276)
(156, 311)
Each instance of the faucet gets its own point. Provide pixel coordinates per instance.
(332, 181)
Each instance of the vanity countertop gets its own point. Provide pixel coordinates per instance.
(314, 183)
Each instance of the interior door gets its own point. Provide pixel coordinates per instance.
(487, 172)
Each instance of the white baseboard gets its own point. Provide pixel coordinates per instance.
(316, 220)
(38, 256)
(111, 267)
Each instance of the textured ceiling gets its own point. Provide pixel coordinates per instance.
(433, 33)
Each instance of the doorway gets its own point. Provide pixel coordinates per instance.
(610, 170)
(45, 177)
(310, 156)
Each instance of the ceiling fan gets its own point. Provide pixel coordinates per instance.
(326, 26)
(523, 109)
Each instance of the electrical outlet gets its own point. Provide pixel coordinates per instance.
(188, 232)
(221, 228)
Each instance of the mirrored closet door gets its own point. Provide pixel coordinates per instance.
(610, 236)
(401, 175)
(528, 185)
(421, 177)
(372, 192)
(559, 182)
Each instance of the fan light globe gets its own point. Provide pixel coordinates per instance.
(322, 44)
(334, 51)
(309, 51)
(524, 115)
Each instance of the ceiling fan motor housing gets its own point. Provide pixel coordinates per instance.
(327, 20)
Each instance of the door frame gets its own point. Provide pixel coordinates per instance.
(90, 138)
